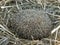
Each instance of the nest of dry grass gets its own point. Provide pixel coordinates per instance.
(8, 7)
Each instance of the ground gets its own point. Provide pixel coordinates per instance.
(8, 7)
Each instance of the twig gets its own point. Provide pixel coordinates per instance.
(7, 6)
(53, 40)
(17, 5)
(56, 36)
(53, 15)
(6, 30)
(55, 29)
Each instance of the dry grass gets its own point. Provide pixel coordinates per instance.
(6, 8)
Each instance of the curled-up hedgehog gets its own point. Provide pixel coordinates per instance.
(30, 24)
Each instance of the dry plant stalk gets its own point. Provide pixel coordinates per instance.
(55, 29)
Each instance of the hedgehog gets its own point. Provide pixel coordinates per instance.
(30, 24)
